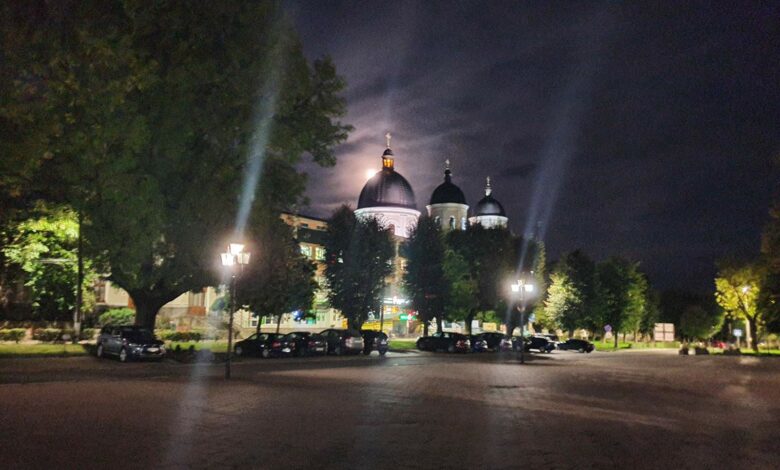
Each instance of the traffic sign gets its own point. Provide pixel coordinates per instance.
(737, 332)
(607, 328)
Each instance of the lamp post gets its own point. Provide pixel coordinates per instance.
(234, 256)
(520, 290)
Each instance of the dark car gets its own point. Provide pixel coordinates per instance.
(576, 345)
(343, 341)
(299, 343)
(444, 341)
(539, 343)
(374, 341)
(129, 342)
(478, 343)
(259, 344)
(496, 341)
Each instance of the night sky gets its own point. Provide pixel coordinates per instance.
(643, 131)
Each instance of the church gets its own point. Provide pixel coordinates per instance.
(389, 197)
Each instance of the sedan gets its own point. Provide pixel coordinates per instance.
(539, 343)
(299, 343)
(129, 342)
(579, 345)
(444, 341)
(256, 345)
(342, 341)
(495, 341)
(478, 343)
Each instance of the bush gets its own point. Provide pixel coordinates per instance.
(47, 335)
(13, 334)
(117, 316)
(87, 334)
(180, 336)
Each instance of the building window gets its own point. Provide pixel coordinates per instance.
(463, 223)
(392, 228)
(253, 321)
(197, 299)
(100, 292)
(452, 223)
(319, 253)
(306, 250)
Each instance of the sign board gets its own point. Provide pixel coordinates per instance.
(532, 318)
(489, 326)
(663, 332)
(737, 332)
(607, 328)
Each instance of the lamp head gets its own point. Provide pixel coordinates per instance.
(227, 259)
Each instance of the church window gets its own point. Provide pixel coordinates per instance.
(463, 223)
(437, 219)
(452, 223)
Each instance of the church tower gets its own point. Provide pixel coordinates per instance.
(448, 204)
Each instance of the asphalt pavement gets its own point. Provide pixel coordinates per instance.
(406, 410)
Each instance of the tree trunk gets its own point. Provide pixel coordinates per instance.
(278, 322)
(469, 318)
(616, 339)
(146, 308)
(753, 327)
(259, 323)
(439, 321)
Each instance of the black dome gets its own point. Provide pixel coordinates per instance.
(489, 206)
(387, 188)
(447, 192)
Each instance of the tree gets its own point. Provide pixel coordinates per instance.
(279, 278)
(769, 298)
(737, 290)
(359, 254)
(157, 120)
(45, 248)
(492, 256)
(570, 297)
(698, 323)
(424, 276)
(461, 298)
(614, 280)
(652, 313)
(637, 300)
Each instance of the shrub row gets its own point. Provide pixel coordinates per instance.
(188, 336)
(12, 334)
(50, 335)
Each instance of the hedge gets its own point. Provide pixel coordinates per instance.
(50, 335)
(12, 334)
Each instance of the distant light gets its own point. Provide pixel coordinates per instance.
(370, 174)
(227, 259)
(745, 289)
(515, 287)
(236, 248)
(528, 287)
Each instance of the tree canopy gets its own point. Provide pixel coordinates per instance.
(424, 276)
(153, 120)
(359, 254)
(737, 290)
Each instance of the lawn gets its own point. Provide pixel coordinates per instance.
(610, 345)
(215, 346)
(41, 350)
(403, 344)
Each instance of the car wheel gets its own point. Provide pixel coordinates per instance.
(451, 348)
(99, 352)
(338, 350)
(420, 346)
(366, 352)
(266, 353)
(382, 352)
(581, 350)
(123, 355)
(238, 350)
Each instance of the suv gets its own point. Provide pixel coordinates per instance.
(577, 345)
(257, 344)
(444, 340)
(374, 340)
(129, 342)
(342, 341)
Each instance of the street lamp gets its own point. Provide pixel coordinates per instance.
(521, 289)
(234, 256)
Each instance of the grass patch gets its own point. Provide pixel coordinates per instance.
(610, 345)
(215, 346)
(41, 350)
(402, 344)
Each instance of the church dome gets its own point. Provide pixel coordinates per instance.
(447, 192)
(488, 205)
(387, 188)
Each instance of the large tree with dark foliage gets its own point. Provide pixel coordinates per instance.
(424, 277)
(150, 117)
(769, 298)
(359, 254)
(614, 281)
(571, 296)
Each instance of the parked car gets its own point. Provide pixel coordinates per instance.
(539, 343)
(374, 341)
(444, 341)
(343, 341)
(494, 340)
(129, 342)
(478, 343)
(256, 345)
(299, 343)
(580, 345)
(551, 337)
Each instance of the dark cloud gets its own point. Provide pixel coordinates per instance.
(639, 130)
